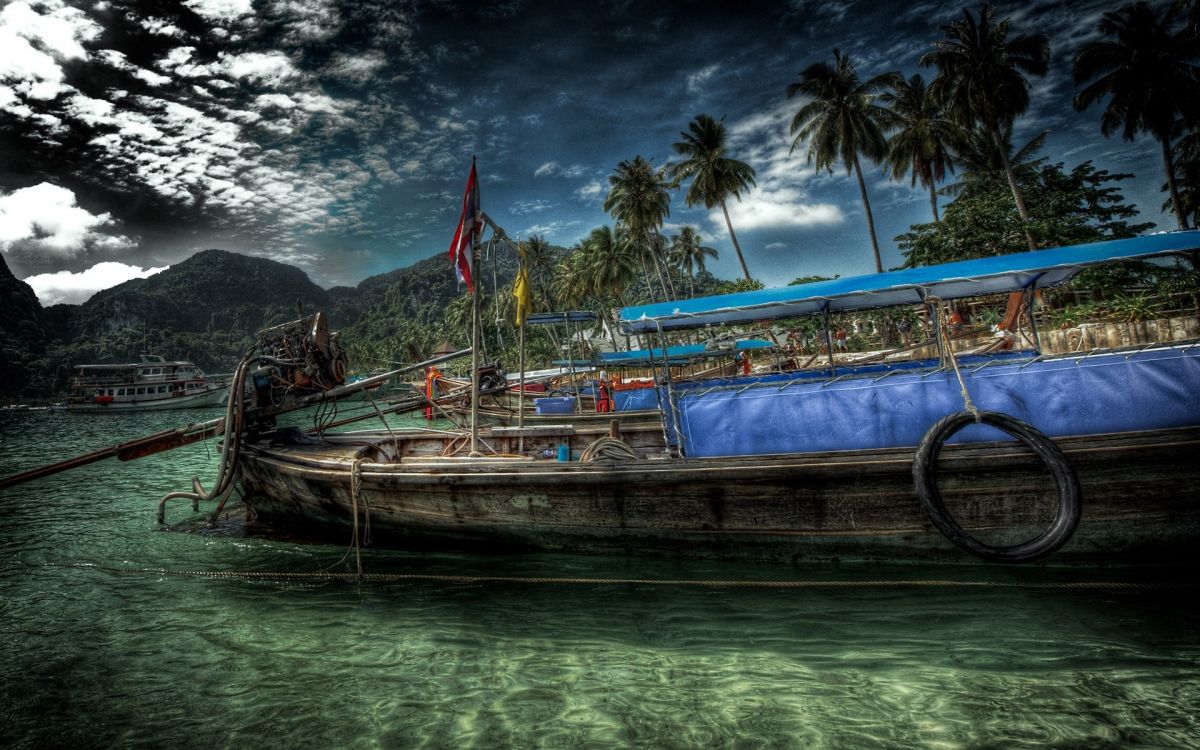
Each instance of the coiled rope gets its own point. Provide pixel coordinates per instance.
(607, 447)
(335, 577)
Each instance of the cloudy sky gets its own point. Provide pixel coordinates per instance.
(337, 135)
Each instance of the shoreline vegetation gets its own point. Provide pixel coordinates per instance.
(951, 134)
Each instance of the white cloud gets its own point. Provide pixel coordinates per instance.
(521, 208)
(554, 169)
(45, 216)
(549, 229)
(590, 191)
(75, 288)
(272, 67)
(775, 209)
(358, 69)
(696, 80)
(35, 43)
(220, 10)
(780, 200)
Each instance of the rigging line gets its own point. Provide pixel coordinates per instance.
(332, 577)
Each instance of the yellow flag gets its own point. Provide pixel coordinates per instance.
(522, 294)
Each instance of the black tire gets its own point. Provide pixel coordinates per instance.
(925, 481)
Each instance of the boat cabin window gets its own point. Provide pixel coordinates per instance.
(120, 391)
(141, 391)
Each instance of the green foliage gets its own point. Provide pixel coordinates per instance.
(738, 285)
(812, 279)
(1083, 205)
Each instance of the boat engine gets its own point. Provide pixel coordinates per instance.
(297, 359)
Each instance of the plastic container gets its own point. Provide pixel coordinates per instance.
(564, 452)
(555, 405)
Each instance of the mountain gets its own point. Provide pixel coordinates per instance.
(21, 333)
(211, 291)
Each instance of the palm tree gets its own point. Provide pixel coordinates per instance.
(714, 175)
(639, 201)
(610, 267)
(1149, 76)
(978, 158)
(1186, 153)
(688, 254)
(541, 260)
(612, 264)
(923, 136)
(841, 120)
(981, 77)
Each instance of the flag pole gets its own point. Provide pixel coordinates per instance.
(474, 340)
(521, 386)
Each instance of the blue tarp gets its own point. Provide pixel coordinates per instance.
(1078, 395)
(968, 278)
(635, 399)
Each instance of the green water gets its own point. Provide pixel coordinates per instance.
(90, 657)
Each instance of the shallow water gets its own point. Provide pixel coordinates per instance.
(118, 655)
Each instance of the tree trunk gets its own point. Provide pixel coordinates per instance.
(1012, 185)
(933, 202)
(652, 250)
(736, 247)
(862, 188)
(1169, 165)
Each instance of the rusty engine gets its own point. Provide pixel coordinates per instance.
(297, 359)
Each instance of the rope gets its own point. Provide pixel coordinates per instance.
(944, 332)
(328, 576)
(355, 490)
(610, 448)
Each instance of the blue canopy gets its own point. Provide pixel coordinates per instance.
(967, 278)
(639, 357)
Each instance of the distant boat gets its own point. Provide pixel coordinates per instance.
(151, 384)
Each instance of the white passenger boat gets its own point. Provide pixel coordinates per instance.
(153, 383)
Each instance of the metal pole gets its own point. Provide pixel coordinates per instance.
(1037, 343)
(829, 341)
(474, 351)
(521, 392)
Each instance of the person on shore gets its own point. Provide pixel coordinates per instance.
(839, 339)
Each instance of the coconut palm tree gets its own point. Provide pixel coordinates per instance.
(978, 158)
(639, 201)
(981, 77)
(688, 254)
(715, 177)
(921, 143)
(1150, 77)
(541, 260)
(611, 265)
(842, 120)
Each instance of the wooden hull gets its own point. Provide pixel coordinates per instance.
(1141, 498)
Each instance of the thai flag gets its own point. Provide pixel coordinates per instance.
(470, 225)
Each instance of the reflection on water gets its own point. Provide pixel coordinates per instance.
(96, 658)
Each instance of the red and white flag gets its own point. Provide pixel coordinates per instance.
(470, 225)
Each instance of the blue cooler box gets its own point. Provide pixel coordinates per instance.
(555, 405)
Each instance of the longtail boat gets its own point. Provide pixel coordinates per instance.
(1006, 456)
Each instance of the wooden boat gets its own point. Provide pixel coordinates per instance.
(150, 384)
(857, 463)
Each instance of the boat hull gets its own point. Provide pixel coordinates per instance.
(1141, 500)
(214, 397)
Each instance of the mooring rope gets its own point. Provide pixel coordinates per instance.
(334, 577)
